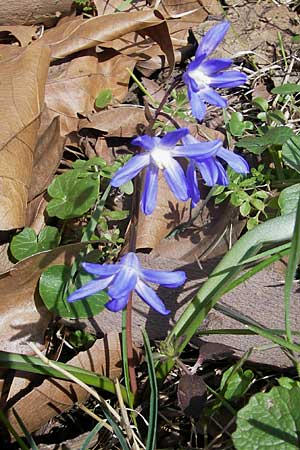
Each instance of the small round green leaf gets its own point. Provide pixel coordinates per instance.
(245, 209)
(73, 194)
(127, 188)
(48, 238)
(269, 421)
(24, 244)
(288, 199)
(236, 385)
(103, 98)
(53, 291)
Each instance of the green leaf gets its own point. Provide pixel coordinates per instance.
(153, 409)
(127, 188)
(285, 89)
(52, 289)
(103, 98)
(237, 125)
(117, 215)
(234, 384)
(92, 433)
(288, 199)
(258, 204)
(260, 103)
(73, 194)
(245, 209)
(48, 238)
(24, 244)
(27, 243)
(288, 383)
(270, 420)
(274, 136)
(235, 199)
(291, 153)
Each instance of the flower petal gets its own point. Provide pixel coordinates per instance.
(149, 195)
(123, 282)
(212, 66)
(212, 97)
(212, 39)
(145, 141)
(231, 78)
(197, 105)
(92, 287)
(193, 65)
(151, 298)
(117, 304)
(171, 138)
(197, 149)
(164, 278)
(192, 183)
(101, 270)
(176, 180)
(131, 169)
(222, 175)
(237, 162)
(209, 171)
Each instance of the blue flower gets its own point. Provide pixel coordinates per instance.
(159, 154)
(204, 75)
(121, 278)
(210, 167)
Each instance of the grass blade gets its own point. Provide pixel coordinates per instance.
(290, 273)
(153, 412)
(13, 432)
(92, 433)
(28, 436)
(33, 364)
(116, 428)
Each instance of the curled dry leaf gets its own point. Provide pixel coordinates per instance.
(121, 121)
(78, 34)
(23, 317)
(73, 86)
(23, 34)
(21, 96)
(33, 11)
(54, 396)
(192, 395)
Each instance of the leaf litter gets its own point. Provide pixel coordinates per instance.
(50, 86)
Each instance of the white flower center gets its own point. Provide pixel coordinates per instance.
(200, 78)
(161, 157)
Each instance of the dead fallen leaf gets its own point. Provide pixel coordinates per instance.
(22, 85)
(192, 395)
(23, 317)
(79, 34)
(121, 121)
(33, 11)
(47, 156)
(23, 34)
(54, 396)
(73, 86)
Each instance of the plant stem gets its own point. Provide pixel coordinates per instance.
(132, 248)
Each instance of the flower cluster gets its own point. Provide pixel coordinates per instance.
(202, 77)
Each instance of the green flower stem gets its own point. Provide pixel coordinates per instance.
(273, 231)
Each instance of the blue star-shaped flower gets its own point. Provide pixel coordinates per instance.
(160, 154)
(204, 75)
(211, 169)
(121, 278)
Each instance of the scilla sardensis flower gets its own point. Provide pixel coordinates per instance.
(125, 276)
(211, 168)
(204, 75)
(160, 154)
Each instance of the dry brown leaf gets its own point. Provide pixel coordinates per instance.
(47, 156)
(22, 33)
(54, 396)
(73, 86)
(121, 121)
(22, 85)
(23, 317)
(33, 11)
(79, 34)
